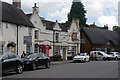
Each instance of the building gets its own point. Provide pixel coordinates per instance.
(93, 39)
(14, 26)
(62, 38)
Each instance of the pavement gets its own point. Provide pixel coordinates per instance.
(61, 62)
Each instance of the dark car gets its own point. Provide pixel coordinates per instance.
(35, 60)
(11, 62)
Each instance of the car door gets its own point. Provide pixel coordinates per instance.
(100, 55)
(6, 65)
(13, 61)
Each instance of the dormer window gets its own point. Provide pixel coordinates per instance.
(74, 36)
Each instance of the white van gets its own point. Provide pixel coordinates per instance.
(99, 55)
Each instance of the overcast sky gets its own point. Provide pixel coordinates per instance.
(99, 11)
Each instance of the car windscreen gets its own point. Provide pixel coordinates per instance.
(31, 56)
(82, 54)
(0, 56)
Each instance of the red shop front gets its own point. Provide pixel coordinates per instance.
(44, 48)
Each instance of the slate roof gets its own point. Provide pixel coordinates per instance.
(101, 36)
(12, 14)
(49, 25)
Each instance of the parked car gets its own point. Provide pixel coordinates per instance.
(82, 57)
(11, 62)
(115, 55)
(35, 60)
(99, 55)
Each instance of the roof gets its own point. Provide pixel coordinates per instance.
(101, 36)
(12, 14)
(49, 25)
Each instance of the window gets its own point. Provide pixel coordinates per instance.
(98, 49)
(36, 34)
(0, 24)
(12, 56)
(28, 49)
(30, 31)
(74, 36)
(6, 25)
(36, 49)
(100, 54)
(83, 40)
(57, 37)
(73, 50)
(57, 51)
(1, 49)
(5, 57)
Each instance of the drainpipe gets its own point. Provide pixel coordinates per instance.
(17, 39)
(53, 41)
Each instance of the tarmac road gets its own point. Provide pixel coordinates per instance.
(92, 69)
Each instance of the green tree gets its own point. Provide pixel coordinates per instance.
(77, 11)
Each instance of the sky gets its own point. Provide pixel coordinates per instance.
(101, 12)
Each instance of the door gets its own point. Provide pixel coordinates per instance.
(64, 53)
(13, 61)
(100, 55)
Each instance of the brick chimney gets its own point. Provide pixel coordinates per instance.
(106, 27)
(17, 3)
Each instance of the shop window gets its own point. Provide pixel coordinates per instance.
(74, 36)
(36, 34)
(73, 50)
(57, 51)
(57, 37)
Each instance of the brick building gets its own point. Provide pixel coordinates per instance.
(93, 39)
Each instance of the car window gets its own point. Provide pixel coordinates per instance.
(12, 56)
(100, 54)
(5, 57)
(40, 55)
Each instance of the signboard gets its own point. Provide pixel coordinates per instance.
(28, 40)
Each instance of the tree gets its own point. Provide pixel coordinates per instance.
(77, 11)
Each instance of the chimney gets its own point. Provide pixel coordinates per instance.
(35, 8)
(17, 3)
(106, 27)
(77, 22)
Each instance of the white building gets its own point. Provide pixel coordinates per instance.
(63, 38)
(14, 25)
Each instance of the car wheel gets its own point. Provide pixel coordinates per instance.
(33, 66)
(47, 65)
(19, 69)
(84, 60)
(116, 58)
(104, 59)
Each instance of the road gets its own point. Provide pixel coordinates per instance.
(93, 69)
